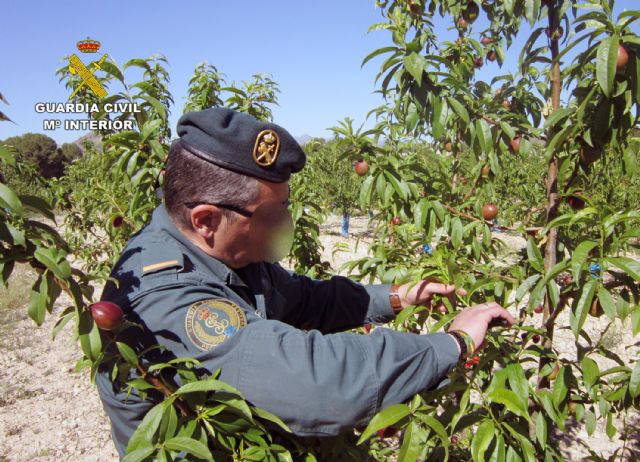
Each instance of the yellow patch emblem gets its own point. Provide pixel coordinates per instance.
(266, 148)
(210, 322)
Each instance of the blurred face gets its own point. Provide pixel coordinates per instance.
(236, 239)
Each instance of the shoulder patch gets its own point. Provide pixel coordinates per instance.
(210, 322)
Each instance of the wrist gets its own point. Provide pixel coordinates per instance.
(465, 342)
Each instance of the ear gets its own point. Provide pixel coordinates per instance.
(205, 220)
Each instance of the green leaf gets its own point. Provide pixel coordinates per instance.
(139, 454)
(384, 418)
(628, 265)
(511, 401)
(607, 303)
(606, 63)
(483, 131)
(127, 353)
(634, 381)
(411, 447)
(266, 415)
(560, 387)
(526, 285)
(456, 233)
(591, 422)
(53, 260)
(579, 257)
(518, 382)
(482, 440)
(557, 116)
(9, 200)
(206, 385)
(38, 300)
(459, 109)
(416, 65)
(143, 435)
(541, 429)
(190, 446)
(535, 257)
(377, 52)
(578, 317)
(590, 371)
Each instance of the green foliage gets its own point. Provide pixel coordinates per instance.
(41, 151)
(206, 89)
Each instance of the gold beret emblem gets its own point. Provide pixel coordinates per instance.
(266, 148)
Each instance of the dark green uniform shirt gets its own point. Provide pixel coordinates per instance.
(275, 335)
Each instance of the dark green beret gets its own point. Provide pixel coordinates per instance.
(240, 142)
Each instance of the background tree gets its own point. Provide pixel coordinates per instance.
(41, 151)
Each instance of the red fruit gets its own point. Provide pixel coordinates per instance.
(164, 172)
(489, 211)
(575, 202)
(416, 7)
(492, 55)
(454, 439)
(485, 170)
(462, 23)
(386, 432)
(505, 102)
(362, 167)
(367, 328)
(539, 309)
(471, 12)
(567, 279)
(622, 59)
(535, 338)
(396, 221)
(448, 146)
(107, 315)
(117, 221)
(514, 144)
(486, 40)
(478, 62)
(475, 360)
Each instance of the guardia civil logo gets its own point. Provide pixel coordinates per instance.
(89, 88)
(210, 322)
(76, 66)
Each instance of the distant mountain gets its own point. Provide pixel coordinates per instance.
(302, 139)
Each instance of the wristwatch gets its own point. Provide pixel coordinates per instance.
(394, 298)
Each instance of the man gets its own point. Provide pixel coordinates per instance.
(202, 279)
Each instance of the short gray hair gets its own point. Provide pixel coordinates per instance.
(188, 178)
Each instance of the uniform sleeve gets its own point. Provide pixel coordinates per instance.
(329, 306)
(319, 384)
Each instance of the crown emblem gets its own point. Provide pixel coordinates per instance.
(88, 46)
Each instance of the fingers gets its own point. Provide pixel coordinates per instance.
(443, 289)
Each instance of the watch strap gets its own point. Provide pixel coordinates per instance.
(394, 298)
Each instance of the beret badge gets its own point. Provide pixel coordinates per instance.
(266, 148)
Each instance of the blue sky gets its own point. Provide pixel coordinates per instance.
(312, 49)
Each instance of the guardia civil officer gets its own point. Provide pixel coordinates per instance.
(203, 279)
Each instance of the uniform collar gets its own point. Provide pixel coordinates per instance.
(162, 221)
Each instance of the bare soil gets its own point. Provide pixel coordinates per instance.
(49, 412)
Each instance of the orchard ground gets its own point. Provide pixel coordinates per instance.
(48, 412)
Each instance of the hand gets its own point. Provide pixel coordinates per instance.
(422, 292)
(475, 320)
